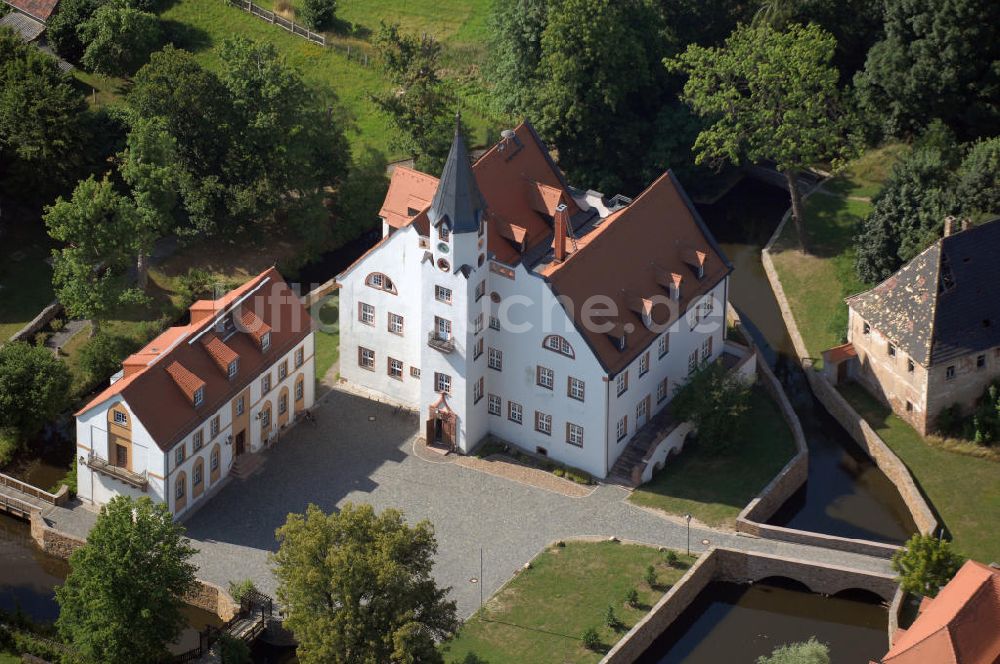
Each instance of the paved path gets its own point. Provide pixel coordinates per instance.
(361, 451)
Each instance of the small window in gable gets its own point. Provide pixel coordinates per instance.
(558, 344)
(120, 417)
(381, 282)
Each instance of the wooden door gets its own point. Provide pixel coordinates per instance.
(241, 443)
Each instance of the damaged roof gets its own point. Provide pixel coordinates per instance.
(943, 303)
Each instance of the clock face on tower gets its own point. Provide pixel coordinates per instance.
(443, 247)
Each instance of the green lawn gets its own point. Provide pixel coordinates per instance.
(25, 276)
(817, 281)
(964, 490)
(327, 338)
(540, 616)
(714, 488)
(200, 26)
(9, 658)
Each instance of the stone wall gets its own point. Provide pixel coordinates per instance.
(28, 332)
(206, 595)
(741, 567)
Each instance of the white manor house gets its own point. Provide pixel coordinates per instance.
(501, 300)
(187, 408)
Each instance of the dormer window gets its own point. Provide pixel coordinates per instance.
(199, 396)
(234, 368)
(265, 342)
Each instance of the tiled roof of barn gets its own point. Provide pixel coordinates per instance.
(943, 303)
(40, 9)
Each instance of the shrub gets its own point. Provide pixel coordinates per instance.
(42, 338)
(57, 324)
(200, 284)
(591, 640)
(671, 557)
(8, 447)
(716, 402)
(650, 577)
(103, 353)
(69, 479)
(240, 589)
(319, 14)
(925, 564)
(632, 598)
(950, 421)
(559, 472)
(233, 650)
(611, 618)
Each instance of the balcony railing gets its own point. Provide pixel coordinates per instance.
(441, 343)
(104, 467)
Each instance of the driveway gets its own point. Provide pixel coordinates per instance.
(361, 451)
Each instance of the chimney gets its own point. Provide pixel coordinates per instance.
(966, 224)
(949, 225)
(559, 236)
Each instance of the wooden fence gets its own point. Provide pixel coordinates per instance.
(280, 21)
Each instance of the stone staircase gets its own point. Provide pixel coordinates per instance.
(246, 465)
(627, 469)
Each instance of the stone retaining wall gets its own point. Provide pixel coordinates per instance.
(741, 567)
(206, 595)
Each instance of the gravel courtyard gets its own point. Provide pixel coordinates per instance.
(347, 456)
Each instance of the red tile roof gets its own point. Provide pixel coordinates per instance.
(150, 386)
(220, 352)
(253, 325)
(959, 626)
(40, 9)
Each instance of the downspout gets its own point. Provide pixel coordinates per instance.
(607, 422)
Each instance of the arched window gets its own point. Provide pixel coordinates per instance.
(558, 344)
(213, 463)
(180, 491)
(381, 282)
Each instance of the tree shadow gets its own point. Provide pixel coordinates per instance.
(185, 35)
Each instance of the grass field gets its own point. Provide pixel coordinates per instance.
(817, 281)
(964, 490)
(327, 338)
(200, 26)
(736, 476)
(540, 616)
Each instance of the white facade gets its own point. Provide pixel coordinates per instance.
(524, 304)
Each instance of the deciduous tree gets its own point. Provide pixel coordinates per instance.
(807, 652)
(319, 14)
(925, 564)
(771, 96)
(118, 39)
(34, 388)
(515, 44)
(716, 402)
(939, 59)
(358, 589)
(122, 600)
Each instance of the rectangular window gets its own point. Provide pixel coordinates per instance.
(692, 362)
(622, 428)
(892, 350)
(574, 434)
(179, 455)
(234, 368)
(661, 391)
(442, 382)
(265, 341)
(640, 411)
(644, 364)
(494, 323)
(622, 382)
(496, 359)
(366, 358)
(442, 328)
(265, 419)
(240, 405)
(196, 475)
(494, 405)
(395, 368)
(981, 362)
(120, 417)
(514, 411)
(480, 290)
(395, 323)
(299, 390)
(477, 390)
(545, 377)
(366, 313)
(283, 370)
(283, 403)
(197, 440)
(909, 365)
(664, 344)
(576, 388)
(179, 488)
(213, 427)
(949, 373)
(477, 350)
(543, 423)
(442, 294)
(265, 383)
(214, 460)
(706, 349)
(199, 396)
(478, 323)
(300, 354)
(414, 372)
(443, 233)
